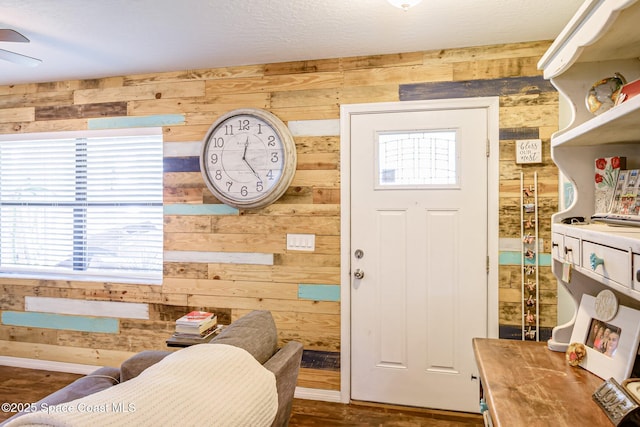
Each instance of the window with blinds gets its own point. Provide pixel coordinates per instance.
(82, 205)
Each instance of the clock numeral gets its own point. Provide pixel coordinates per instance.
(274, 157)
(259, 187)
(271, 141)
(214, 158)
(218, 142)
(218, 175)
(259, 128)
(244, 191)
(243, 124)
(229, 185)
(270, 174)
(228, 130)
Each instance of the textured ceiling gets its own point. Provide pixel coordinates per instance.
(80, 39)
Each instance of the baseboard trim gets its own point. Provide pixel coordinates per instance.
(317, 394)
(47, 365)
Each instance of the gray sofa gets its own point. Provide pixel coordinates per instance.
(255, 332)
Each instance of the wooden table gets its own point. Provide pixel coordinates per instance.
(526, 384)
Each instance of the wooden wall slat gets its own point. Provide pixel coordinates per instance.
(245, 287)
(382, 61)
(189, 75)
(129, 93)
(35, 99)
(317, 378)
(398, 75)
(63, 112)
(298, 67)
(475, 88)
(259, 224)
(496, 68)
(24, 114)
(69, 354)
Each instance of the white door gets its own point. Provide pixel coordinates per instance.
(419, 238)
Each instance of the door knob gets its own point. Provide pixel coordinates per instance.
(358, 274)
(595, 261)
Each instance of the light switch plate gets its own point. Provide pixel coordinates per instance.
(301, 242)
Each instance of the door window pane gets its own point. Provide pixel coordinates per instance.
(417, 159)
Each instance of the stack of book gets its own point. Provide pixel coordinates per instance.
(194, 328)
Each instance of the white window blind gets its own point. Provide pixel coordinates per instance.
(82, 204)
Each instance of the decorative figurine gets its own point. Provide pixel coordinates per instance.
(603, 94)
(575, 353)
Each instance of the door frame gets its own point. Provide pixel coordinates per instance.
(491, 104)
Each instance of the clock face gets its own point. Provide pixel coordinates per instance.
(248, 158)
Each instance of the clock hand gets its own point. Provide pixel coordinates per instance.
(244, 154)
(253, 170)
(244, 157)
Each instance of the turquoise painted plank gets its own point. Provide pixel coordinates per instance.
(319, 292)
(60, 321)
(510, 258)
(135, 122)
(545, 260)
(187, 209)
(514, 258)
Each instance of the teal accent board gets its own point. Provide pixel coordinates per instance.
(189, 209)
(514, 258)
(135, 122)
(60, 321)
(319, 292)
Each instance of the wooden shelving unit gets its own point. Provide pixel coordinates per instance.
(603, 38)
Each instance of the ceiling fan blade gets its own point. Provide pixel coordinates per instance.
(12, 36)
(19, 59)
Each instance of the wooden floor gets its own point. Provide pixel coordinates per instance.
(19, 385)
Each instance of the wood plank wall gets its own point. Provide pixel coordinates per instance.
(212, 253)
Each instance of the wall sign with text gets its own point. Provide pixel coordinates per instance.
(529, 151)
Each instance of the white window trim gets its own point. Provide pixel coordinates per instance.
(101, 133)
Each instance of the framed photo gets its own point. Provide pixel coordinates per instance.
(606, 179)
(626, 192)
(611, 344)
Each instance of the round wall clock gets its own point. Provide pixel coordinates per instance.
(248, 158)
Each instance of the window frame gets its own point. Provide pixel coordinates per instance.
(379, 185)
(77, 271)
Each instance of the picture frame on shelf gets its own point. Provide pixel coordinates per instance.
(617, 191)
(624, 200)
(606, 178)
(610, 359)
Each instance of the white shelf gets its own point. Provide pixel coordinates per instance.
(621, 124)
(599, 31)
